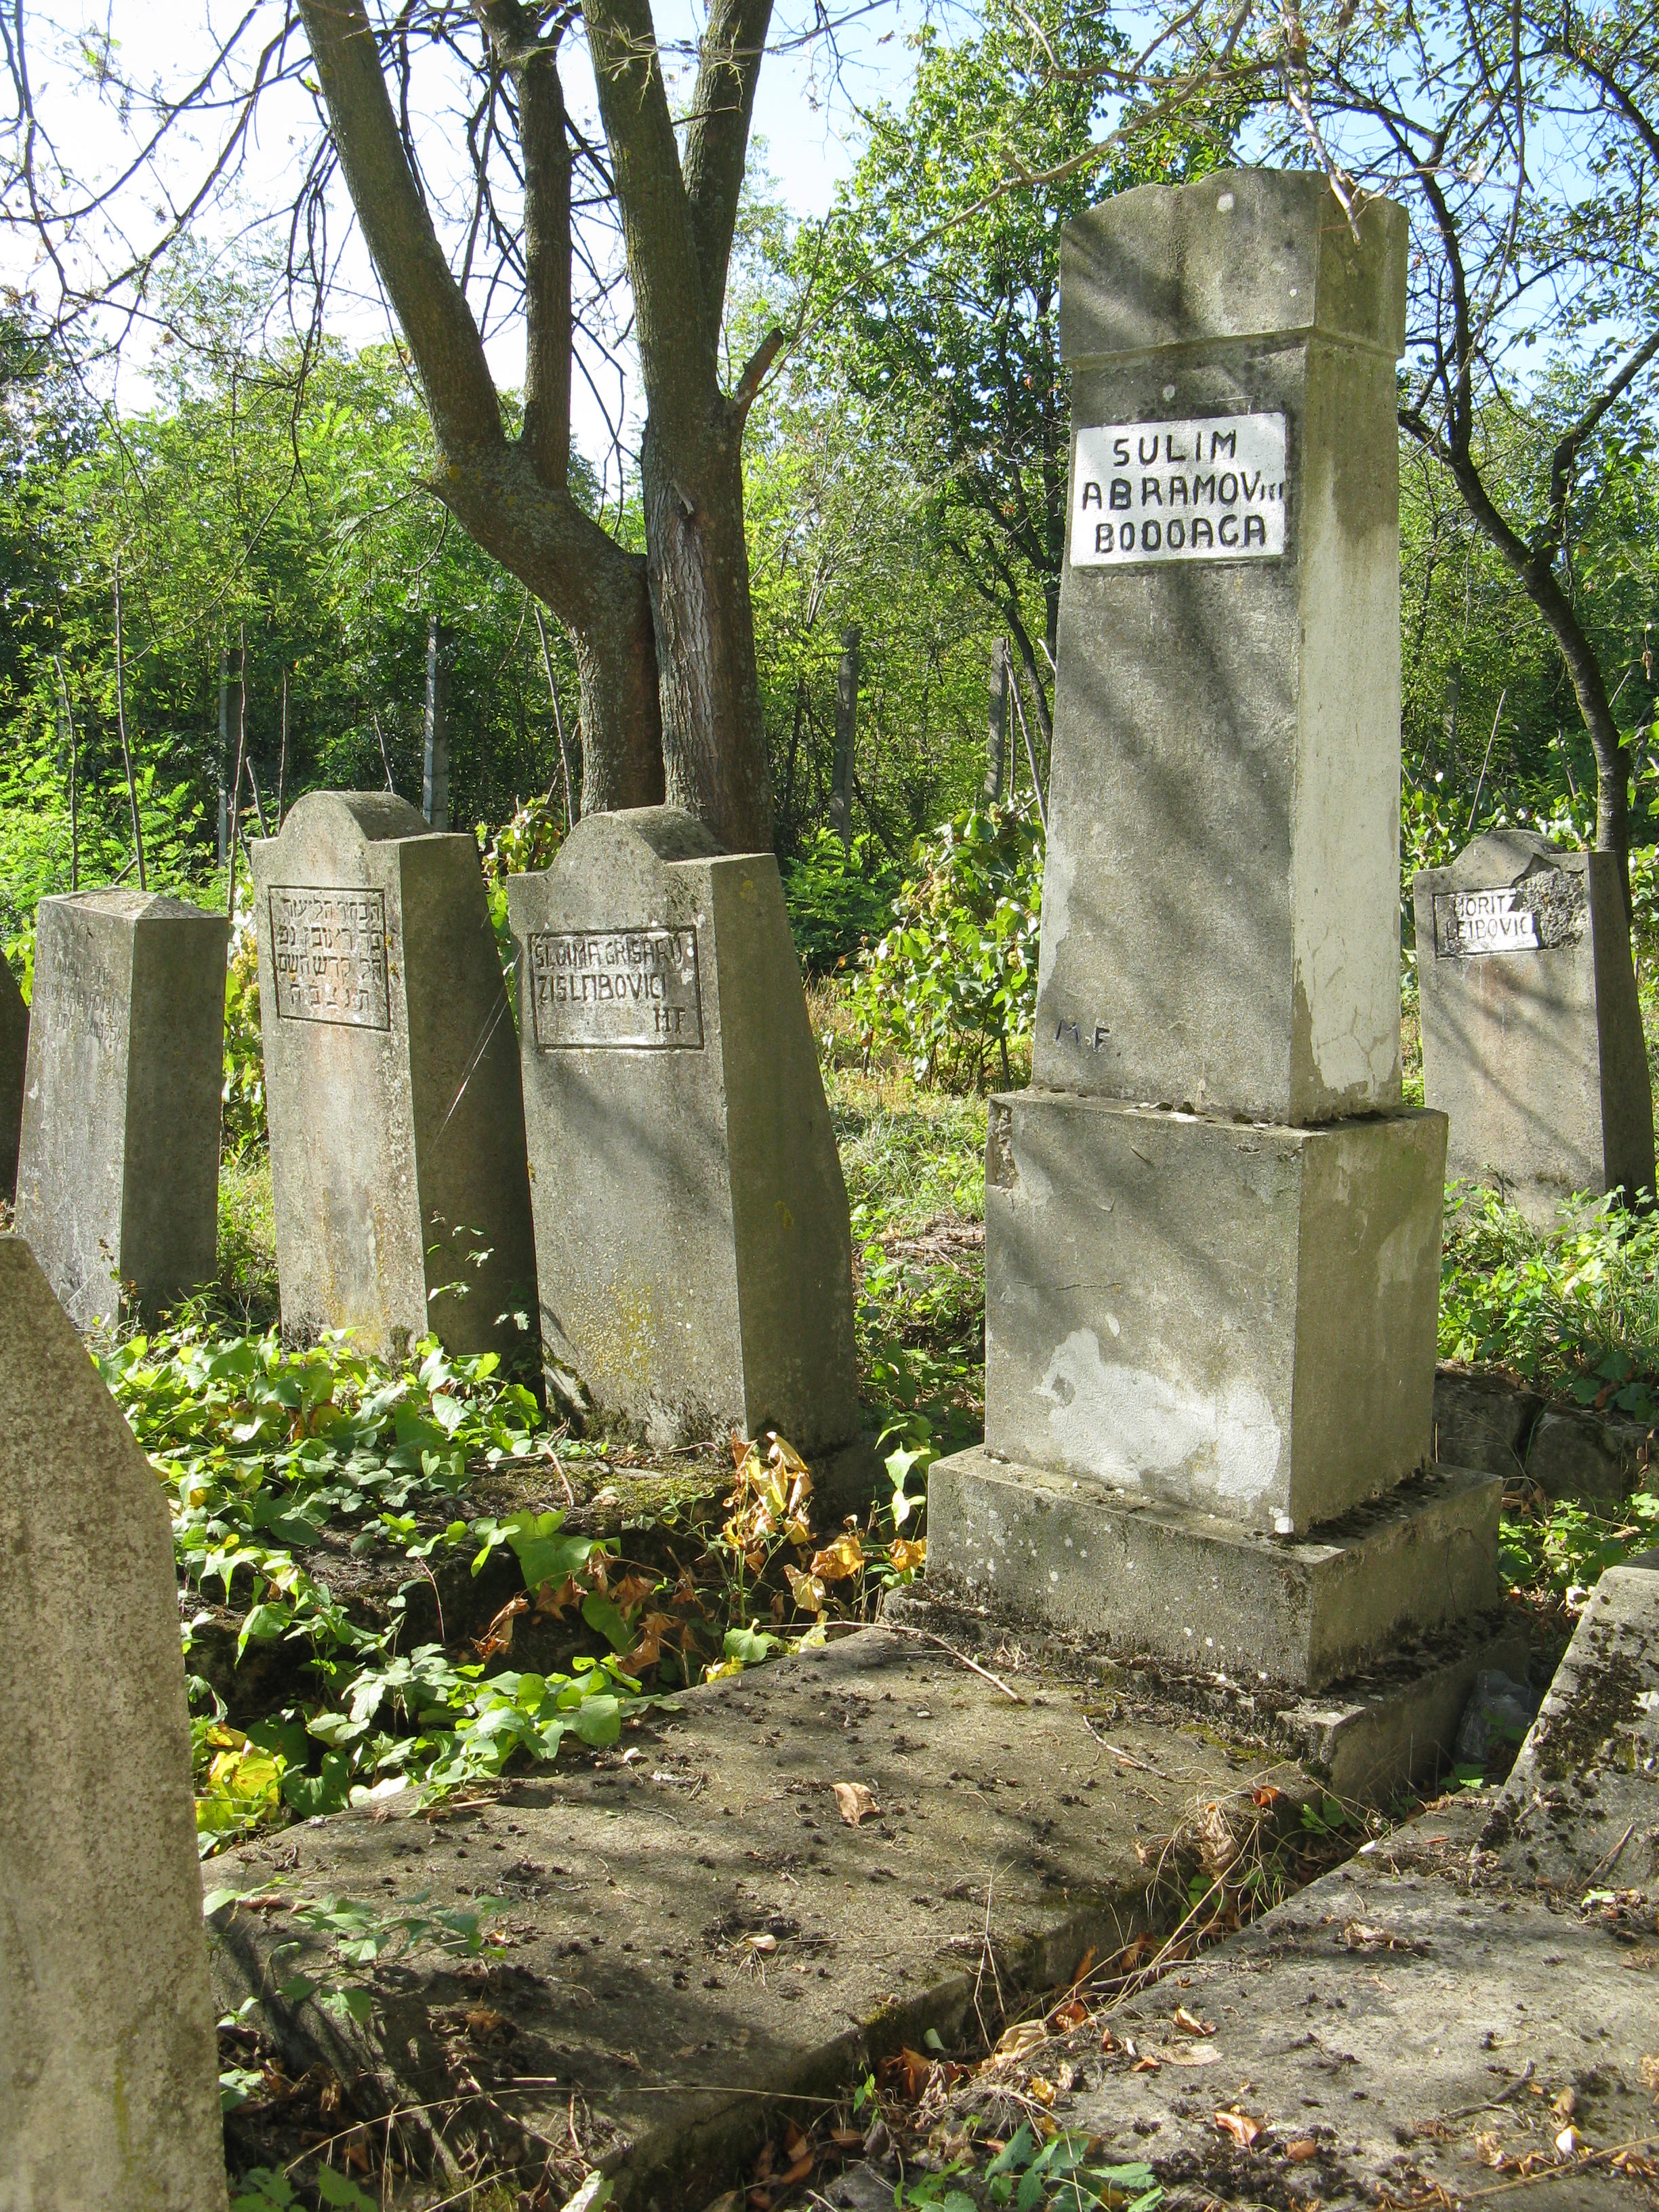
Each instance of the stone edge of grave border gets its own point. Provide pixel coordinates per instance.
(1552, 1430)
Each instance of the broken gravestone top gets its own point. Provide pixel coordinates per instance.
(118, 1175)
(693, 1242)
(1532, 1033)
(108, 2060)
(397, 1129)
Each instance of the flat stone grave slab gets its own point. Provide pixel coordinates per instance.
(1434, 2014)
(1008, 1840)
(1416, 2021)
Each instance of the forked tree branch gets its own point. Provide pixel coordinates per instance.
(443, 338)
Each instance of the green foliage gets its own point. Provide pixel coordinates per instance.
(1066, 2174)
(1545, 1554)
(244, 1126)
(1573, 1308)
(914, 1165)
(839, 897)
(264, 1451)
(955, 978)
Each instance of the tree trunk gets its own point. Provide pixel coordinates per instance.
(846, 724)
(996, 735)
(713, 737)
(1543, 588)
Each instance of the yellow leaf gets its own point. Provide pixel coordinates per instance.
(844, 1557)
(908, 1557)
(807, 1590)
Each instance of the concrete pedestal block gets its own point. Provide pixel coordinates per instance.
(1221, 901)
(692, 1238)
(397, 1129)
(1202, 1592)
(117, 1175)
(14, 1051)
(1228, 1317)
(1532, 1035)
(109, 2093)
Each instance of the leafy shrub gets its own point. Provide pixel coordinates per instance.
(839, 897)
(956, 977)
(1573, 1308)
(244, 1127)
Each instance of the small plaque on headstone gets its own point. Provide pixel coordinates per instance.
(636, 987)
(1209, 489)
(328, 947)
(1548, 909)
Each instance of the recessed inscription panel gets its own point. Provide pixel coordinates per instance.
(637, 987)
(1541, 911)
(328, 948)
(1205, 490)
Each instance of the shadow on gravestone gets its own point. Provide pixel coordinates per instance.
(692, 1237)
(117, 1172)
(108, 2060)
(391, 1084)
(1532, 1033)
(14, 1051)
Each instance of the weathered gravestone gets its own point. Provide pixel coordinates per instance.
(117, 1173)
(108, 2059)
(391, 1084)
(14, 1051)
(691, 1223)
(1532, 1035)
(1212, 1236)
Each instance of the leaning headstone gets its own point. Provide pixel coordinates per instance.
(691, 1222)
(1532, 1035)
(109, 2089)
(117, 1174)
(391, 1084)
(14, 1051)
(1212, 1235)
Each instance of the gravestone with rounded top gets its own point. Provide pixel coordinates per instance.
(14, 1051)
(109, 2092)
(1532, 1034)
(392, 1086)
(117, 1172)
(1212, 1237)
(691, 1222)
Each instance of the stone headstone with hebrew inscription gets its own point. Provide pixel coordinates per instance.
(391, 1083)
(691, 1223)
(109, 2092)
(14, 1051)
(1212, 1236)
(117, 1172)
(1532, 1035)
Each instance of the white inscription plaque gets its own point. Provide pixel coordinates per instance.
(1209, 488)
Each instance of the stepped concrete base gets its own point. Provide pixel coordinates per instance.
(1201, 1592)
(1230, 1317)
